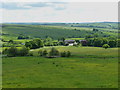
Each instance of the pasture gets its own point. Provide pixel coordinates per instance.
(83, 51)
(88, 67)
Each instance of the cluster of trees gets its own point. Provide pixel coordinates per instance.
(54, 53)
(23, 37)
(95, 30)
(35, 43)
(66, 54)
(11, 43)
(24, 51)
(13, 51)
(99, 42)
(48, 41)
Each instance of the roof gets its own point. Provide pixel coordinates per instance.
(82, 40)
(69, 40)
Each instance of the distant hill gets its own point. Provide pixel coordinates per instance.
(58, 30)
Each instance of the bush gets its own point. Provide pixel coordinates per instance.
(105, 46)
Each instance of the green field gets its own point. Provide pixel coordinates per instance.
(88, 67)
(84, 51)
(12, 31)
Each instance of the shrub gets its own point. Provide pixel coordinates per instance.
(105, 46)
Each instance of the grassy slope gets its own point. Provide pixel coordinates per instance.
(39, 31)
(53, 31)
(73, 72)
(85, 51)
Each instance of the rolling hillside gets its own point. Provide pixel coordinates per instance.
(12, 31)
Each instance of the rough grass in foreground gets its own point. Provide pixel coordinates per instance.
(36, 72)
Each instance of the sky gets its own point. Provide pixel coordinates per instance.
(59, 12)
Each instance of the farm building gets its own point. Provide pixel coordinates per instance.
(70, 42)
(83, 42)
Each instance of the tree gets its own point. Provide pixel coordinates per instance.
(96, 35)
(48, 42)
(38, 43)
(118, 42)
(23, 51)
(11, 52)
(63, 54)
(30, 54)
(28, 44)
(35, 43)
(21, 36)
(63, 39)
(112, 43)
(45, 53)
(84, 43)
(104, 41)
(68, 54)
(53, 52)
(98, 42)
(90, 42)
(105, 46)
(95, 29)
(40, 52)
(89, 36)
(61, 43)
(10, 41)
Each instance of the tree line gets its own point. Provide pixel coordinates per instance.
(24, 51)
(99, 42)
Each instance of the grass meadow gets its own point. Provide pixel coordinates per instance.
(88, 67)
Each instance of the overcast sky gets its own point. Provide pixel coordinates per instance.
(59, 11)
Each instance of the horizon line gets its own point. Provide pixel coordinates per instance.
(63, 22)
